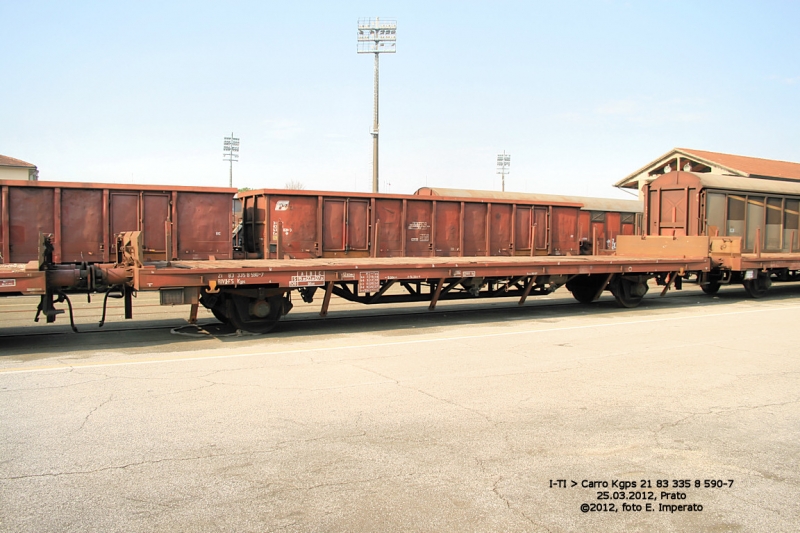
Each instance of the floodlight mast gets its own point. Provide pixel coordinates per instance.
(230, 152)
(503, 168)
(376, 36)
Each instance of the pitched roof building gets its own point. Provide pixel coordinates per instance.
(691, 160)
(16, 169)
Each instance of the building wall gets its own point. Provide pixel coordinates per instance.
(16, 173)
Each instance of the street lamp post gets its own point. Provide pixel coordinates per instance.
(376, 36)
(230, 152)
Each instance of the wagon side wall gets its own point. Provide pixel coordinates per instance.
(84, 219)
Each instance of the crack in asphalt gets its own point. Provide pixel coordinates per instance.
(131, 465)
(91, 412)
(514, 509)
(717, 411)
(420, 391)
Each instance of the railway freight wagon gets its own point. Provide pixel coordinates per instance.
(356, 246)
(84, 219)
(753, 224)
(280, 224)
(600, 220)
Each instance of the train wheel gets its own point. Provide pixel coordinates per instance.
(628, 293)
(712, 287)
(585, 288)
(757, 288)
(220, 315)
(255, 315)
(216, 304)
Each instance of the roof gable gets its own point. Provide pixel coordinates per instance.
(752, 166)
(713, 162)
(6, 161)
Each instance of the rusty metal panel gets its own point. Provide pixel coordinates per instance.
(693, 211)
(254, 223)
(542, 231)
(248, 224)
(262, 229)
(523, 228)
(16, 278)
(285, 273)
(82, 225)
(124, 215)
(389, 218)
(613, 227)
(651, 211)
(584, 226)
(447, 241)
(565, 231)
(672, 212)
(673, 206)
(726, 245)
(30, 212)
(500, 227)
(333, 225)
(203, 226)
(656, 247)
(155, 212)
(4, 218)
(419, 220)
(357, 224)
(345, 225)
(598, 231)
(475, 228)
(84, 219)
(296, 216)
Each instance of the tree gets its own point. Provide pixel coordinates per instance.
(295, 184)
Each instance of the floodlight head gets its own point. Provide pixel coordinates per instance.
(376, 36)
(503, 163)
(230, 149)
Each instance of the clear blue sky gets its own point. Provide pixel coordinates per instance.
(580, 93)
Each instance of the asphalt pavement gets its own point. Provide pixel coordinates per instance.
(681, 415)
